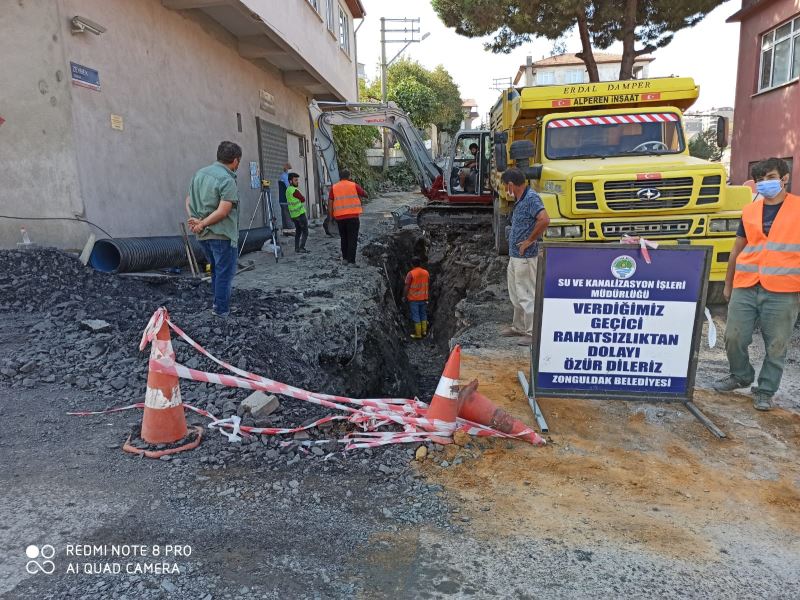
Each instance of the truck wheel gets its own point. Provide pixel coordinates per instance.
(499, 223)
(714, 295)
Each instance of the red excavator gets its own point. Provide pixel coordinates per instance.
(457, 187)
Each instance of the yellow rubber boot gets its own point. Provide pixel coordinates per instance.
(424, 328)
(417, 335)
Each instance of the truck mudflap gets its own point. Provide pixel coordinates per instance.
(458, 215)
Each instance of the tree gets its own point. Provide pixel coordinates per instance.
(427, 96)
(650, 23)
(417, 99)
(704, 145)
(351, 143)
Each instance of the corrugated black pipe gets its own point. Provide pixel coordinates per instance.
(130, 255)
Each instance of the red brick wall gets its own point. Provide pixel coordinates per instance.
(765, 124)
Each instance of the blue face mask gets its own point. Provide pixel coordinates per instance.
(769, 188)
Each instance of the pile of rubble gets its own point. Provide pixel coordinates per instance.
(69, 325)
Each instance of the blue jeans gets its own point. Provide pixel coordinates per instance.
(419, 311)
(222, 257)
(777, 314)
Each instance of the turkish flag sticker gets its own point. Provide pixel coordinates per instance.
(651, 96)
(2, 120)
(562, 102)
(646, 176)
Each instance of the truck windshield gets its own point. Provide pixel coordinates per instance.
(614, 135)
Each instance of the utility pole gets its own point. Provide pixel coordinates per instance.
(408, 33)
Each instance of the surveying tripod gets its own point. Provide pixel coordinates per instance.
(266, 199)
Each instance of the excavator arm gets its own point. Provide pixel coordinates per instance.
(324, 115)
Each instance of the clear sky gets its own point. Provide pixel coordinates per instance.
(707, 52)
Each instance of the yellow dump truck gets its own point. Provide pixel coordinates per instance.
(612, 158)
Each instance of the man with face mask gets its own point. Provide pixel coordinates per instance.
(763, 283)
(213, 209)
(529, 220)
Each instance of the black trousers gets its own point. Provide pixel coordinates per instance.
(348, 232)
(300, 232)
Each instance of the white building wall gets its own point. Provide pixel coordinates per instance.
(178, 82)
(38, 168)
(176, 79)
(306, 30)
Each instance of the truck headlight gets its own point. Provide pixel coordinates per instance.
(555, 231)
(724, 225)
(554, 187)
(573, 231)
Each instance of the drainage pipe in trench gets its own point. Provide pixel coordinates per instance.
(130, 255)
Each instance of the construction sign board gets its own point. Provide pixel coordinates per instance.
(611, 325)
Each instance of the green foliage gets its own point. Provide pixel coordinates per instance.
(705, 146)
(427, 96)
(351, 143)
(655, 21)
(650, 23)
(399, 177)
(417, 99)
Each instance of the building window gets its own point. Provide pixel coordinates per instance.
(344, 31)
(574, 76)
(780, 55)
(315, 4)
(608, 73)
(330, 15)
(545, 78)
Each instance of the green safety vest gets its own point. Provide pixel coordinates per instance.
(296, 208)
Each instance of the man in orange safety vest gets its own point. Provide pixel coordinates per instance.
(345, 207)
(416, 292)
(763, 283)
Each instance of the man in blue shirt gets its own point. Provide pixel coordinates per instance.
(529, 220)
(283, 184)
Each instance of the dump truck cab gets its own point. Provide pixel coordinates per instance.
(612, 159)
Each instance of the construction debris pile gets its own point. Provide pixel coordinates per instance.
(86, 327)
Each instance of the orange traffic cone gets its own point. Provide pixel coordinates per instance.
(478, 408)
(444, 405)
(164, 421)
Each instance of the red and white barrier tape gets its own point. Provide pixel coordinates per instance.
(369, 414)
(643, 245)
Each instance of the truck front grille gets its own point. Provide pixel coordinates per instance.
(585, 198)
(647, 228)
(649, 194)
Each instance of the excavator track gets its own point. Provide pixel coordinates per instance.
(456, 215)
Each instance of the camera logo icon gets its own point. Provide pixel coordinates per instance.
(45, 565)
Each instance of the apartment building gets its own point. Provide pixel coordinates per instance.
(564, 69)
(108, 107)
(767, 86)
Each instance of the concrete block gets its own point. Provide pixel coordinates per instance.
(96, 326)
(260, 405)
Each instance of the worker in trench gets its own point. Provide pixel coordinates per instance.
(296, 203)
(529, 221)
(416, 293)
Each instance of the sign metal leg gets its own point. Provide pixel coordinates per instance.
(692, 408)
(537, 412)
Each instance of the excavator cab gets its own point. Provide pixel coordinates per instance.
(468, 166)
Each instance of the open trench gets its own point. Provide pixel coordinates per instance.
(461, 264)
